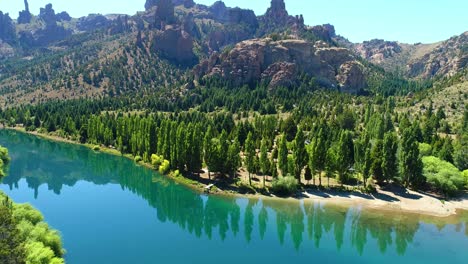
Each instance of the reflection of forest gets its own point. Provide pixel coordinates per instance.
(56, 164)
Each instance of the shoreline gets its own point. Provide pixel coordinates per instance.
(389, 201)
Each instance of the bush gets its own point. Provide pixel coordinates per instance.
(96, 148)
(425, 150)
(138, 159)
(156, 160)
(164, 167)
(176, 174)
(28, 213)
(443, 175)
(285, 185)
(4, 155)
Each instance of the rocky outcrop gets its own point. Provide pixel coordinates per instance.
(235, 15)
(446, 59)
(378, 50)
(47, 34)
(351, 77)
(63, 16)
(324, 32)
(277, 19)
(277, 63)
(92, 22)
(176, 45)
(185, 3)
(150, 4)
(25, 16)
(7, 28)
(47, 15)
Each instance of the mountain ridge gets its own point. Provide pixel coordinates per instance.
(194, 41)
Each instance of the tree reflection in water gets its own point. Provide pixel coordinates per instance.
(42, 162)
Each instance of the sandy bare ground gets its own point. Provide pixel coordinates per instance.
(395, 200)
(390, 198)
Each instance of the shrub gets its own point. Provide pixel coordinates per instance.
(4, 155)
(443, 175)
(164, 167)
(425, 150)
(96, 148)
(138, 158)
(28, 213)
(285, 185)
(156, 160)
(176, 174)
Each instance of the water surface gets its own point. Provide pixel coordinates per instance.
(111, 211)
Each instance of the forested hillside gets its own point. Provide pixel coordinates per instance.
(190, 88)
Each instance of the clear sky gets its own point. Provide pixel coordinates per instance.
(407, 21)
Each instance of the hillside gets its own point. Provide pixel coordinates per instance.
(175, 45)
(424, 61)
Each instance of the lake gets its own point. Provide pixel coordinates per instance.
(110, 210)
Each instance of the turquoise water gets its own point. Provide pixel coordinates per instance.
(111, 211)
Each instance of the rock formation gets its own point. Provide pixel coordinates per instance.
(25, 16)
(377, 50)
(278, 62)
(176, 45)
(7, 28)
(63, 16)
(277, 19)
(446, 59)
(92, 22)
(47, 15)
(185, 3)
(324, 32)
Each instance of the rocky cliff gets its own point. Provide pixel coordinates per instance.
(423, 61)
(446, 59)
(277, 19)
(278, 63)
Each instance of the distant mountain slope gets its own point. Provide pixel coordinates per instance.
(424, 61)
(176, 44)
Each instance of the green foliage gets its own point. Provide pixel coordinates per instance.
(28, 213)
(11, 245)
(156, 160)
(283, 155)
(164, 167)
(250, 155)
(138, 159)
(443, 175)
(4, 157)
(96, 148)
(389, 156)
(285, 185)
(300, 154)
(30, 240)
(38, 253)
(410, 163)
(425, 149)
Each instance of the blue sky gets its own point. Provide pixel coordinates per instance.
(407, 21)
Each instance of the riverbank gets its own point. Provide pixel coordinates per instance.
(391, 199)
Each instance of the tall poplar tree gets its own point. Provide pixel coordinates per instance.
(283, 155)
